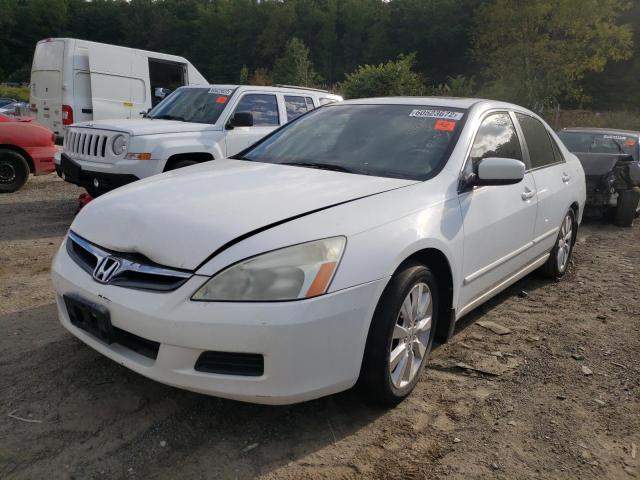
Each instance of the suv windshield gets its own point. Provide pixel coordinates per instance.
(399, 141)
(589, 142)
(198, 105)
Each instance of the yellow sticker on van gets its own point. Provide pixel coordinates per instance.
(127, 104)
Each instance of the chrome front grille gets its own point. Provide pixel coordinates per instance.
(123, 269)
(86, 144)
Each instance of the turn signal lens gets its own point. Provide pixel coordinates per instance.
(138, 156)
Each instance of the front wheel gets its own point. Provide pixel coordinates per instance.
(627, 208)
(560, 255)
(14, 171)
(401, 335)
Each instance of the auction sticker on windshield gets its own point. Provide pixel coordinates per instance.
(221, 91)
(442, 114)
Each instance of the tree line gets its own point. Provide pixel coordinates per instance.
(572, 52)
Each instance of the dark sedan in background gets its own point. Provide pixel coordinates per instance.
(611, 163)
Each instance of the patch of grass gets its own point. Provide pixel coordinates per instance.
(19, 93)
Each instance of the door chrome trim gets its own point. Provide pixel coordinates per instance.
(502, 285)
(545, 235)
(486, 269)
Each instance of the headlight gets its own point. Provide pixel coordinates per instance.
(119, 144)
(300, 271)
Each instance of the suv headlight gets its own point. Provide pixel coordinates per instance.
(119, 144)
(299, 271)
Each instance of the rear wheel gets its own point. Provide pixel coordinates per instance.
(560, 255)
(401, 335)
(627, 208)
(14, 171)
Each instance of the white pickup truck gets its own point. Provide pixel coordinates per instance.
(194, 124)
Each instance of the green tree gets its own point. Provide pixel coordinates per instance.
(386, 79)
(537, 53)
(294, 66)
(244, 75)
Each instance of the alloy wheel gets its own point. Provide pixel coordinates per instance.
(411, 335)
(565, 242)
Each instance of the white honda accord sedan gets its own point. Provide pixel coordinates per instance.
(333, 251)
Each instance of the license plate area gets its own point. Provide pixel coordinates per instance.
(90, 317)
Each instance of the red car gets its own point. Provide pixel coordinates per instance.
(25, 147)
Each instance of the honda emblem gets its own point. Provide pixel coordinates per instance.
(106, 269)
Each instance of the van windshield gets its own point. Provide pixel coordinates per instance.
(197, 105)
(398, 141)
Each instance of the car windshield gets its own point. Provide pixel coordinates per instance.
(198, 105)
(398, 141)
(589, 142)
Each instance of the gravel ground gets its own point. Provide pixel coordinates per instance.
(557, 397)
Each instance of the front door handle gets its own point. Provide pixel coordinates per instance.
(528, 194)
(566, 178)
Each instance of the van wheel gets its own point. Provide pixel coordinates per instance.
(401, 335)
(627, 208)
(558, 261)
(14, 171)
(182, 164)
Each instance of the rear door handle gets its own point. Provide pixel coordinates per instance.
(528, 194)
(566, 178)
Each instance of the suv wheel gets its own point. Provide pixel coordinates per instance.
(14, 171)
(401, 335)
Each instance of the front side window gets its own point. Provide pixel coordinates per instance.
(198, 105)
(538, 141)
(264, 108)
(496, 137)
(296, 106)
(398, 141)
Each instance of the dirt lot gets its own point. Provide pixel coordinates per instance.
(538, 412)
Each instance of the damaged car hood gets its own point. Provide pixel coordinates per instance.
(179, 218)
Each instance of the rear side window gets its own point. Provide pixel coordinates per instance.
(310, 105)
(538, 141)
(496, 137)
(296, 106)
(264, 108)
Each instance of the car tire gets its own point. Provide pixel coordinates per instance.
(398, 343)
(14, 171)
(560, 256)
(627, 208)
(182, 164)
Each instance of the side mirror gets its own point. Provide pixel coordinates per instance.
(499, 171)
(240, 119)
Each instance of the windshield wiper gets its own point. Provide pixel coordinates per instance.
(168, 117)
(320, 166)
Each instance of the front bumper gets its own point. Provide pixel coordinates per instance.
(42, 159)
(311, 348)
(108, 175)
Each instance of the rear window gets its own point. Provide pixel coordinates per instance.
(48, 56)
(538, 141)
(589, 142)
(399, 141)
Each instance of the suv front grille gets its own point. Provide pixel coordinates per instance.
(132, 271)
(87, 144)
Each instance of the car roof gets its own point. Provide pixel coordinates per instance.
(601, 130)
(308, 91)
(451, 102)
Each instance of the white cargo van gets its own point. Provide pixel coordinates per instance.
(77, 81)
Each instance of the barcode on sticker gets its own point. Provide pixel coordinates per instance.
(442, 114)
(221, 91)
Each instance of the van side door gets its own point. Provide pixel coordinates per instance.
(498, 221)
(266, 118)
